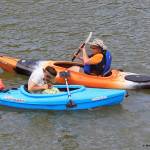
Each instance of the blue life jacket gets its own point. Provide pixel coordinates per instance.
(101, 68)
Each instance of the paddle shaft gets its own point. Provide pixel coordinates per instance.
(86, 41)
(78, 51)
(65, 74)
(68, 91)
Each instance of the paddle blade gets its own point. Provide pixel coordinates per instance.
(88, 38)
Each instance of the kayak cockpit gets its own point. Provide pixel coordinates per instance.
(62, 89)
(71, 64)
(67, 64)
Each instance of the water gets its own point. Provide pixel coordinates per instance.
(53, 29)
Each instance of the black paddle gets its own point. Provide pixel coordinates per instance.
(86, 41)
(65, 75)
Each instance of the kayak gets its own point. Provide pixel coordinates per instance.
(116, 79)
(1, 85)
(81, 98)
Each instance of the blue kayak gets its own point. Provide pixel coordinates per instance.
(81, 98)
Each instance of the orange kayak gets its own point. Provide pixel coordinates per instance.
(116, 79)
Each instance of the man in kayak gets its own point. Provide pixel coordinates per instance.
(98, 63)
(42, 80)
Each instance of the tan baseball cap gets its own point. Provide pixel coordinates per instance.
(98, 42)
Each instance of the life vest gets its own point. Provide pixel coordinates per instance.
(101, 68)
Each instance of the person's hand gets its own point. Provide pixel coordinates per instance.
(76, 55)
(45, 86)
(82, 49)
(49, 85)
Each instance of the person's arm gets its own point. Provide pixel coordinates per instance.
(33, 87)
(85, 56)
(94, 60)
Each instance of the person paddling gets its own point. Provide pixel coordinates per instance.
(98, 63)
(42, 80)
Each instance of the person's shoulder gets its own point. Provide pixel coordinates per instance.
(98, 55)
(37, 71)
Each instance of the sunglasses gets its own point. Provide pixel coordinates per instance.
(94, 47)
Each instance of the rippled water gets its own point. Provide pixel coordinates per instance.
(53, 29)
